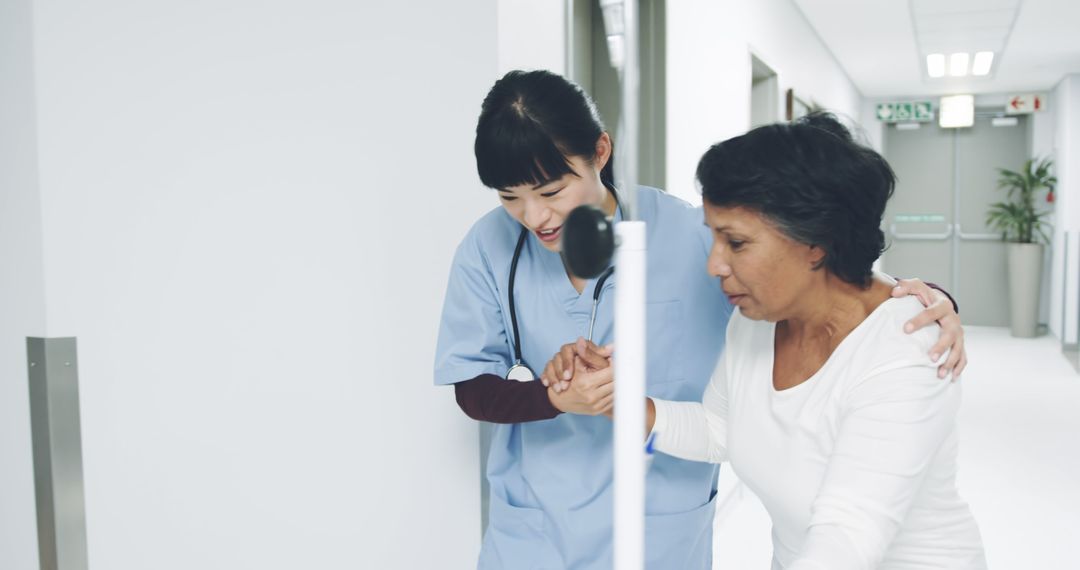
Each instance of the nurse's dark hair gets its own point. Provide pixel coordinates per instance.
(530, 124)
(813, 182)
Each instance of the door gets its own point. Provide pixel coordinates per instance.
(918, 220)
(936, 222)
(984, 277)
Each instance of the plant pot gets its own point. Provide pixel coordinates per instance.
(1025, 275)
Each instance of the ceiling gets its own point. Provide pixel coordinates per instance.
(882, 44)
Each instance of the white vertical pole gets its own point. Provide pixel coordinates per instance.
(629, 548)
(630, 259)
(630, 114)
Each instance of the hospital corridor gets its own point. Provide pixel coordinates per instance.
(540, 285)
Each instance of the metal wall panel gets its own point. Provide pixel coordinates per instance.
(57, 441)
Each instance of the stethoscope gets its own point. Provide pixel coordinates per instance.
(520, 371)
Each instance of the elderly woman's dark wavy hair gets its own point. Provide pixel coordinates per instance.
(813, 182)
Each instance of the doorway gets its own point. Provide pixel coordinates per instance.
(589, 65)
(936, 222)
(764, 94)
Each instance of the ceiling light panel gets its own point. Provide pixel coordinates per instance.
(958, 64)
(984, 60)
(935, 65)
(962, 26)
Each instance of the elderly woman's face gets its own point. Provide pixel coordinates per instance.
(763, 272)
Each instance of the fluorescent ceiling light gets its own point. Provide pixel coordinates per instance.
(957, 111)
(958, 64)
(935, 65)
(982, 63)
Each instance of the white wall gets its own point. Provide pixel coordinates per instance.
(1064, 107)
(708, 70)
(249, 211)
(533, 34)
(872, 129)
(22, 302)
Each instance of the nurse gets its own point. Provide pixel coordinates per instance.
(510, 304)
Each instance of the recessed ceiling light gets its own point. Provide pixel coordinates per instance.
(958, 64)
(982, 63)
(935, 65)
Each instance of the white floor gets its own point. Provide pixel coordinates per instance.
(1019, 460)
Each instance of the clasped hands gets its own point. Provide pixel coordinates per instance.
(580, 379)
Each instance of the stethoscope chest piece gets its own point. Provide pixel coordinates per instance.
(521, 373)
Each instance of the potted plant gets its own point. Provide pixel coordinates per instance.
(1021, 225)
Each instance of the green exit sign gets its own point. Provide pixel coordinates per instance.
(905, 111)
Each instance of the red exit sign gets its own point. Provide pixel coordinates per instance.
(1019, 104)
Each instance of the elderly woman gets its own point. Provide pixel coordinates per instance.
(822, 405)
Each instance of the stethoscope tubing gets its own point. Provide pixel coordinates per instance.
(513, 309)
(597, 289)
(596, 298)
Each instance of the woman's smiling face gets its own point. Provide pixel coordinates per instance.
(543, 208)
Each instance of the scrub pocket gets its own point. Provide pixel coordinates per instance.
(515, 539)
(665, 346)
(681, 540)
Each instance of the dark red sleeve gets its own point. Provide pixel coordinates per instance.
(955, 307)
(489, 398)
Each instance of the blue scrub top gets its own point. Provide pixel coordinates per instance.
(551, 481)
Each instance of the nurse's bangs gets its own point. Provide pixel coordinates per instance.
(513, 149)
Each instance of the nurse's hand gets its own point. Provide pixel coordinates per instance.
(939, 308)
(591, 393)
(560, 370)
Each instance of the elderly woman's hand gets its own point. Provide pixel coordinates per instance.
(939, 308)
(562, 367)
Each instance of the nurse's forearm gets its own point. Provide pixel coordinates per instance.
(489, 398)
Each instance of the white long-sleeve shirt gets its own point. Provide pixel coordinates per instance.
(856, 465)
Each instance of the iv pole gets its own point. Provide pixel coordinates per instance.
(587, 248)
(620, 25)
